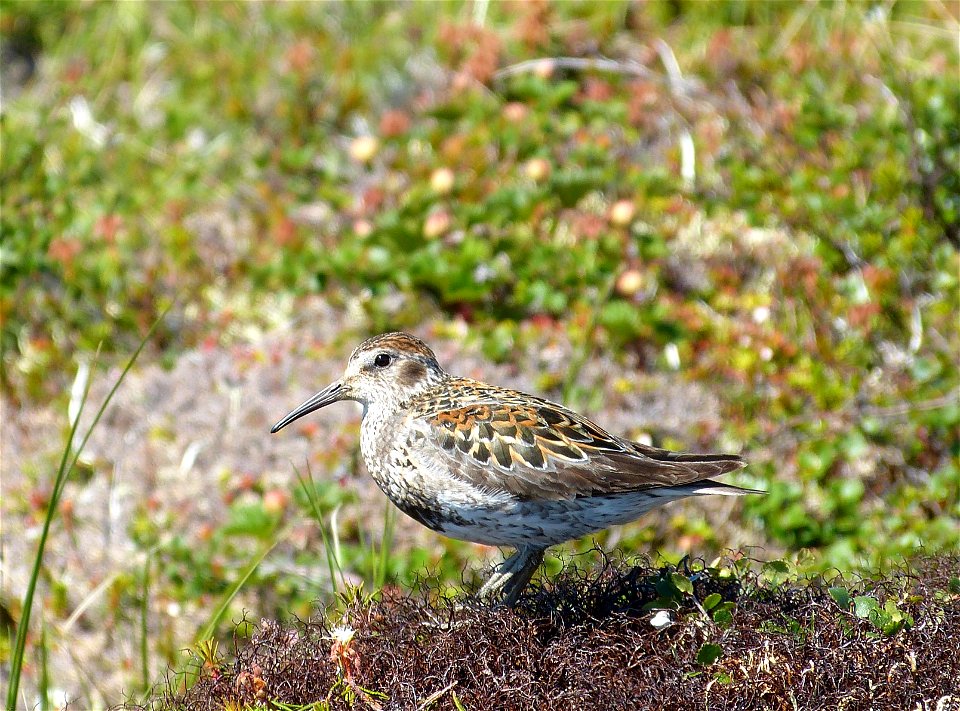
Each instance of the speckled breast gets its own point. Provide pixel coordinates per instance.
(381, 437)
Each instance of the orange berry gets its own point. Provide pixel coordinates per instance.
(621, 213)
(364, 148)
(629, 283)
(441, 180)
(537, 169)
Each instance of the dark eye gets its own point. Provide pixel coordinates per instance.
(382, 360)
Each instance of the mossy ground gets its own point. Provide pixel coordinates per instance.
(740, 641)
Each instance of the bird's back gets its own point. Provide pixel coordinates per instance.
(505, 440)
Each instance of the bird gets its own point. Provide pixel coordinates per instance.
(500, 467)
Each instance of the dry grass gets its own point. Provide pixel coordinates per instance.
(584, 640)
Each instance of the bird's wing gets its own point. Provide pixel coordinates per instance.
(505, 441)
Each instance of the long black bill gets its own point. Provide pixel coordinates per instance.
(329, 394)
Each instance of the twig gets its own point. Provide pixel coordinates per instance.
(435, 696)
(924, 28)
(906, 408)
(797, 20)
(88, 600)
(480, 12)
(882, 412)
(602, 64)
(688, 156)
(670, 62)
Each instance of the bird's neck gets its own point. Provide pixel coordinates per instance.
(378, 413)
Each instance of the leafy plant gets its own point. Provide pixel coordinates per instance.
(63, 471)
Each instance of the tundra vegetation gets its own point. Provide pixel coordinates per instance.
(723, 226)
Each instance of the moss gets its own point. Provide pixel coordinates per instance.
(586, 639)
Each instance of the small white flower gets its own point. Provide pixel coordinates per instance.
(661, 619)
(343, 634)
(643, 438)
(85, 124)
(483, 273)
(56, 698)
(196, 139)
(672, 355)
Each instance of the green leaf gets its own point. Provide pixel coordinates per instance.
(842, 597)
(666, 589)
(681, 583)
(776, 566)
(890, 627)
(723, 678)
(709, 653)
(854, 445)
(249, 520)
(863, 605)
(621, 318)
(662, 603)
(711, 601)
(723, 616)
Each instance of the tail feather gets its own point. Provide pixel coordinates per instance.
(708, 487)
(709, 464)
(715, 464)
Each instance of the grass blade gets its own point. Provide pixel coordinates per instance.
(211, 626)
(44, 685)
(144, 613)
(206, 633)
(23, 626)
(19, 647)
(333, 562)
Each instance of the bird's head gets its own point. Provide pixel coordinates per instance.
(385, 370)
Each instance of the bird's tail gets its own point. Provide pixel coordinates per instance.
(709, 487)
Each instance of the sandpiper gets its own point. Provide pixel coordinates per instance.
(500, 467)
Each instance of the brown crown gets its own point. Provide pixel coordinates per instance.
(397, 341)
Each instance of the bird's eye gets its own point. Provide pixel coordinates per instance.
(382, 360)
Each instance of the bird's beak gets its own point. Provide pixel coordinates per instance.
(331, 393)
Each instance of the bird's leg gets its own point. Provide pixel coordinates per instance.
(515, 585)
(512, 576)
(500, 576)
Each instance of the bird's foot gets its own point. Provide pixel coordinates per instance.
(512, 576)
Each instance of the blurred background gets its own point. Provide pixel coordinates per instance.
(712, 226)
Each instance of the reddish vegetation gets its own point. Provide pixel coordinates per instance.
(585, 641)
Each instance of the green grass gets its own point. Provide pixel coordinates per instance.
(71, 447)
(805, 273)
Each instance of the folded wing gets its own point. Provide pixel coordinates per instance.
(535, 449)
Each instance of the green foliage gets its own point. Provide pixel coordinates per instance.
(709, 653)
(841, 595)
(807, 275)
(72, 446)
(889, 618)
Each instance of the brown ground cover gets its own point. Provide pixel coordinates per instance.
(585, 640)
